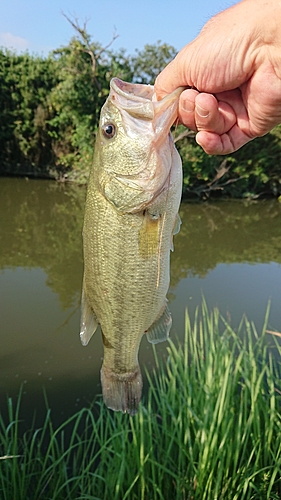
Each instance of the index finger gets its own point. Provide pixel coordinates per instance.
(169, 80)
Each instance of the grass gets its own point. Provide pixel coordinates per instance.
(210, 429)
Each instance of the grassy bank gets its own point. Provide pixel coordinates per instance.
(209, 429)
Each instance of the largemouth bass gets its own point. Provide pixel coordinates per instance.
(131, 214)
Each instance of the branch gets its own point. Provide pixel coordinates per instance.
(114, 36)
(83, 34)
(223, 169)
(86, 41)
(185, 133)
(206, 190)
(214, 185)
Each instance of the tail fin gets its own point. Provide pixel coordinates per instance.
(121, 391)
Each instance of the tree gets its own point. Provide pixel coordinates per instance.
(150, 61)
(26, 82)
(85, 69)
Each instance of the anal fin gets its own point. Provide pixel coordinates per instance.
(89, 322)
(160, 329)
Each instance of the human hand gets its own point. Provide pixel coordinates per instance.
(233, 69)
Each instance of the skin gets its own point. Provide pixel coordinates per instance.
(234, 70)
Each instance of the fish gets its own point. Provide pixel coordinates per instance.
(131, 214)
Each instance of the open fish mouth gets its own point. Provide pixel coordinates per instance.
(139, 101)
(136, 91)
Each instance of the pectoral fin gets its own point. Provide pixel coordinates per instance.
(89, 322)
(176, 229)
(160, 329)
(177, 224)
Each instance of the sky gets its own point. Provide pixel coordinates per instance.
(39, 26)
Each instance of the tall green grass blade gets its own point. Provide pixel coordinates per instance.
(209, 428)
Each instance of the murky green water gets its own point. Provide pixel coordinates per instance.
(228, 251)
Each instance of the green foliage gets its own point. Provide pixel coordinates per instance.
(50, 107)
(148, 62)
(252, 171)
(50, 111)
(26, 82)
(210, 429)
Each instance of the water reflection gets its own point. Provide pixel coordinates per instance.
(41, 225)
(228, 251)
(226, 232)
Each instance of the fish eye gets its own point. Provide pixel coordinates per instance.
(109, 130)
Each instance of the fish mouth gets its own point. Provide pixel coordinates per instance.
(139, 100)
(136, 91)
(146, 118)
(134, 98)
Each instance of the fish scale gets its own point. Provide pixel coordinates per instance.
(130, 218)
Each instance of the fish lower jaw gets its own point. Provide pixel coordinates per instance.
(121, 391)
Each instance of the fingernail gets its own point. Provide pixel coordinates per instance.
(201, 111)
(187, 106)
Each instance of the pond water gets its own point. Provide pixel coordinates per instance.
(227, 251)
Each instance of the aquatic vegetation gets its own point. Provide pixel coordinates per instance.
(209, 428)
